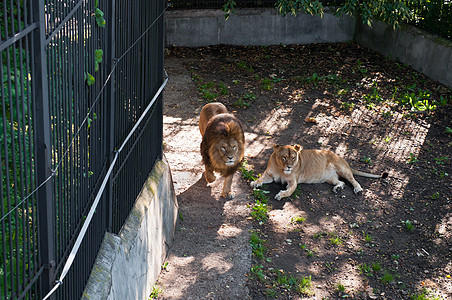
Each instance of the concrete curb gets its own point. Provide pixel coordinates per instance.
(128, 264)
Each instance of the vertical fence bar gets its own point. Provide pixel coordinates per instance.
(110, 97)
(43, 147)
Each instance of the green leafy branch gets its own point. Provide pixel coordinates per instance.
(98, 53)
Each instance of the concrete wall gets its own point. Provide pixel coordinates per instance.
(128, 264)
(194, 28)
(424, 52)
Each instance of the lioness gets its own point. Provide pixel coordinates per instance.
(223, 144)
(293, 165)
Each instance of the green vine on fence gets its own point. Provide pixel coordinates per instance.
(98, 53)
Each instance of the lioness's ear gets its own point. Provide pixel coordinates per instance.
(297, 147)
(276, 147)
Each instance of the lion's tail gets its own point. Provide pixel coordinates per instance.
(364, 174)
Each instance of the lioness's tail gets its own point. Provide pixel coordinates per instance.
(364, 174)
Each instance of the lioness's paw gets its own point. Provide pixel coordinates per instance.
(278, 196)
(339, 186)
(229, 195)
(358, 190)
(336, 189)
(255, 184)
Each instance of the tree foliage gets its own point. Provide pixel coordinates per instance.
(389, 11)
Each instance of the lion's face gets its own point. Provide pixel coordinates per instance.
(223, 144)
(287, 157)
(228, 151)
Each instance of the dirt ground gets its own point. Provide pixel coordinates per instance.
(394, 241)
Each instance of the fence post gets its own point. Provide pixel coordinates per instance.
(110, 91)
(43, 146)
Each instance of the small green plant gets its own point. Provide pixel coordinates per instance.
(257, 245)
(309, 253)
(366, 269)
(441, 160)
(343, 92)
(374, 97)
(347, 106)
(376, 267)
(435, 195)
(314, 78)
(387, 139)
(408, 225)
(340, 287)
(444, 100)
(271, 292)
(260, 212)
(223, 88)
(165, 266)
(367, 160)
(417, 102)
(424, 295)
(298, 219)
(333, 79)
(319, 235)
(207, 91)
(361, 68)
(412, 159)
(247, 172)
(367, 237)
(261, 195)
(330, 78)
(245, 100)
(336, 240)
(257, 272)
(285, 281)
(243, 65)
(387, 278)
(267, 84)
(448, 130)
(156, 291)
(440, 173)
(387, 114)
(303, 287)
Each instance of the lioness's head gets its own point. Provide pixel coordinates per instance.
(287, 157)
(228, 151)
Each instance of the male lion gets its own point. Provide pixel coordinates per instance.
(293, 165)
(223, 144)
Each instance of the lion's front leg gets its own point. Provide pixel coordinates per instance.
(227, 192)
(265, 178)
(291, 187)
(210, 176)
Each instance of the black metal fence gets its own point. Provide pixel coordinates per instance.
(432, 16)
(76, 77)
